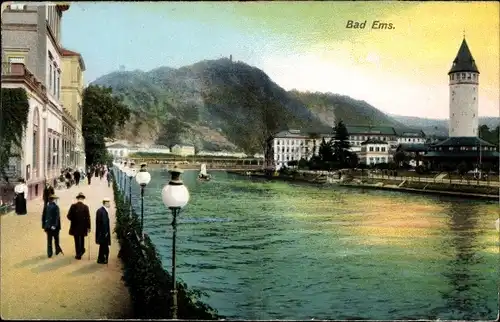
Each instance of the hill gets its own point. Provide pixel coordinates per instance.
(221, 104)
(437, 126)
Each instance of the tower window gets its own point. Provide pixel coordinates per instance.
(463, 75)
(474, 115)
(469, 76)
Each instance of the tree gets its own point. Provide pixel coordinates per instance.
(462, 168)
(341, 144)
(14, 112)
(293, 163)
(302, 163)
(325, 151)
(103, 115)
(399, 157)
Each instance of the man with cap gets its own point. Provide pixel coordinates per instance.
(51, 223)
(79, 216)
(103, 231)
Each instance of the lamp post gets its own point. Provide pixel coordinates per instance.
(175, 196)
(143, 178)
(124, 175)
(130, 174)
(45, 149)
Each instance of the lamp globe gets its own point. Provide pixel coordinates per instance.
(175, 194)
(143, 177)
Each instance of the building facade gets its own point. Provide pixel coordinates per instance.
(31, 59)
(291, 145)
(118, 150)
(72, 92)
(183, 150)
(359, 134)
(410, 137)
(374, 151)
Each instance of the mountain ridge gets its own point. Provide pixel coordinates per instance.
(221, 104)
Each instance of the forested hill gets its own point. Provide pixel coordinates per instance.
(221, 104)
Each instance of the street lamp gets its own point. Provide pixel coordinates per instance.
(130, 174)
(124, 175)
(143, 178)
(175, 196)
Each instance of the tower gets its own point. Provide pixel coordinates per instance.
(464, 83)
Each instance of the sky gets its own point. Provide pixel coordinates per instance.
(303, 45)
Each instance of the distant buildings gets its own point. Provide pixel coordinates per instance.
(292, 145)
(183, 150)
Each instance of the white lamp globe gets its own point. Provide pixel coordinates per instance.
(175, 194)
(131, 172)
(143, 177)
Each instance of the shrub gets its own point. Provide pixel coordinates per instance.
(148, 283)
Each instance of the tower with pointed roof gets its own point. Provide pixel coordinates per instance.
(464, 83)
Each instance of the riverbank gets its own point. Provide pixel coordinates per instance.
(471, 191)
(34, 286)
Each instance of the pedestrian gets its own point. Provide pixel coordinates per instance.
(77, 176)
(103, 231)
(47, 192)
(68, 179)
(101, 173)
(21, 191)
(79, 216)
(51, 223)
(89, 175)
(109, 178)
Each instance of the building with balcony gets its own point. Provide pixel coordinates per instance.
(72, 91)
(31, 59)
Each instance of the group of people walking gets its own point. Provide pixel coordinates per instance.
(80, 227)
(99, 171)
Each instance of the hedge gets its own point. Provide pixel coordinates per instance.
(148, 283)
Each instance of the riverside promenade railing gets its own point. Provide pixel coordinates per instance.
(150, 286)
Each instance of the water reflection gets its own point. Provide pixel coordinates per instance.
(464, 297)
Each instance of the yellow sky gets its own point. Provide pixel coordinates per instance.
(401, 71)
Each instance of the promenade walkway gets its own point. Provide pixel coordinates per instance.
(36, 287)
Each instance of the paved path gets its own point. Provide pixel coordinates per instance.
(36, 287)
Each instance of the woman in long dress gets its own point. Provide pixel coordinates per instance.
(21, 191)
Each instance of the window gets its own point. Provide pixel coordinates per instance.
(48, 153)
(54, 70)
(16, 59)
(17, 7)
(377, 149)
(469, 76)
(371, 149)
(463, 75)
(383, 149)
(50, 75)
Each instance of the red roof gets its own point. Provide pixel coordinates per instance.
(67, 52)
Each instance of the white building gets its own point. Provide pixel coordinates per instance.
(464, 82)
(183, 150)
(374, 151)
(118, 150)
(359, 134)
(292, 145)
(222, 154)
(409, 136)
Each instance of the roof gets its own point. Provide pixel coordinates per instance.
(70, 53)
(464, 61)
(158, 146)
(463, 154)
(360, 129)
(464, 141)
(413, 147)
(374, 141)
(410, 133)
(117, 146)
(291, 133)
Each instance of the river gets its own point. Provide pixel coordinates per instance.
(275, 250)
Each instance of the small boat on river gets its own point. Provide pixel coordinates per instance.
(203, 175)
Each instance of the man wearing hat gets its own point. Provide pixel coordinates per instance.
(51, 223)
(79, 216)
(103, 231)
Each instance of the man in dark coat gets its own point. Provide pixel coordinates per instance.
(89, 175)
(51, 223)
(77, 176)
(103, 231)
(79, 216)
(47, 192)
